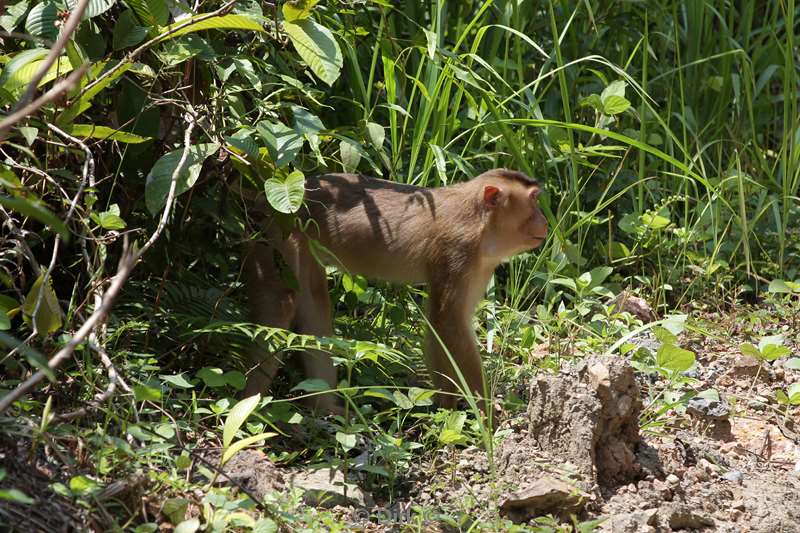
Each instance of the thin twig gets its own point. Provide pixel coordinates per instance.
(67, 84)
(66, 32)
(126, 265)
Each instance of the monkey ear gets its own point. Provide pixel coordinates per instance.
(491, 195)
(535, 192)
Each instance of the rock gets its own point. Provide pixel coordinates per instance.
(589, 417)
(673, 480)
(626, 301)
(680, 516)
(631, 522)
(544, 495)
(327, 488)
(746, 366)
(733, 475)
(254, 471)
(708, 409)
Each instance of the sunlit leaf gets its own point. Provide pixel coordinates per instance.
(286, 196)
(48, 317)
(238, 414)
(160, 176)
(318, 48)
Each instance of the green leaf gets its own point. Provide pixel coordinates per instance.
(84, 102)
(16, 496)
(143, 392)
(13, 15)
(175, 509)
(664, 335)
(243, 141)
(311, 385)
(350, 154)
(105, 133)
(286, 196)
(780, 286)
(377, 135)
(593, 100)
(48, 319)
(19, 61)
(36, 210)
(283, 142)
(225, 22)
(614, 105)
(82, 484)
(748, 349)
(793, 392)
(212, 377)
(239, 445)
(777, 340)
(237, 416)
(317, 47)
(178, 380)
(188, 526)
(793, 363)
(5, 320)
(598, 275)
(771, 352)
(347, 440)
(127, 31)
(615, 88)
(305, 121)
(29, 133)
(674, 359)
(295, 10)
(94, 8)
(152, 13)
(160, 176)
(110, 219)
(41, 21)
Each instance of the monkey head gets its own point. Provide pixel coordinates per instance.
(516, 223)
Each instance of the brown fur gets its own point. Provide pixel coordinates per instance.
(450, 238)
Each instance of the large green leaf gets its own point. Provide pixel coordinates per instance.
(127, 31)
(283, 142)
(94, 8)
(152, 13)
(105, 133)
(19, 61)
(318, 48)
(160, 176)
(13, 15)
(286, 196)
(236, 418)
(675, 359)
(84, 102)
(41, 21)
(22, 77)
(225, 22)
(239, 445)
(48, 319)
(295, 10)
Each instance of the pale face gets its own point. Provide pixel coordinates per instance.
(518, 223)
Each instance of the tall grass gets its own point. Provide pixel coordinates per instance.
(711, 137)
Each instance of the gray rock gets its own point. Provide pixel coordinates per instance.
(327, 488)
(545, 495)
(733, 475)
(708, 409)
(680, 516)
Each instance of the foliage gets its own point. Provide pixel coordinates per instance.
(665, 135)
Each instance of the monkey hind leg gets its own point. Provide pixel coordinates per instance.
(272, 301)
(314, 318)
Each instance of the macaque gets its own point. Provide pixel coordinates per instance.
(450, 238)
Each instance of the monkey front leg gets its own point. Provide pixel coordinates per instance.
(455, 332)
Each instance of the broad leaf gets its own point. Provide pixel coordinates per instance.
(283, 142)
(160, 176)
(350, 154)
(152, 13)
(239, 445)
(225, 22)
(48, 318)
(143, 392)
(94, 8)
(19, 61)
(238, 414)
(318, 48)
(674, 359)
(41, 21)
(295, 10)
(347, 440)
(127, 31)
(614, 105)
(13, 15)
(105, 133)
(286, 196)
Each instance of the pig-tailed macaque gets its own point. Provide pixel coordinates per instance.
(450, 238)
